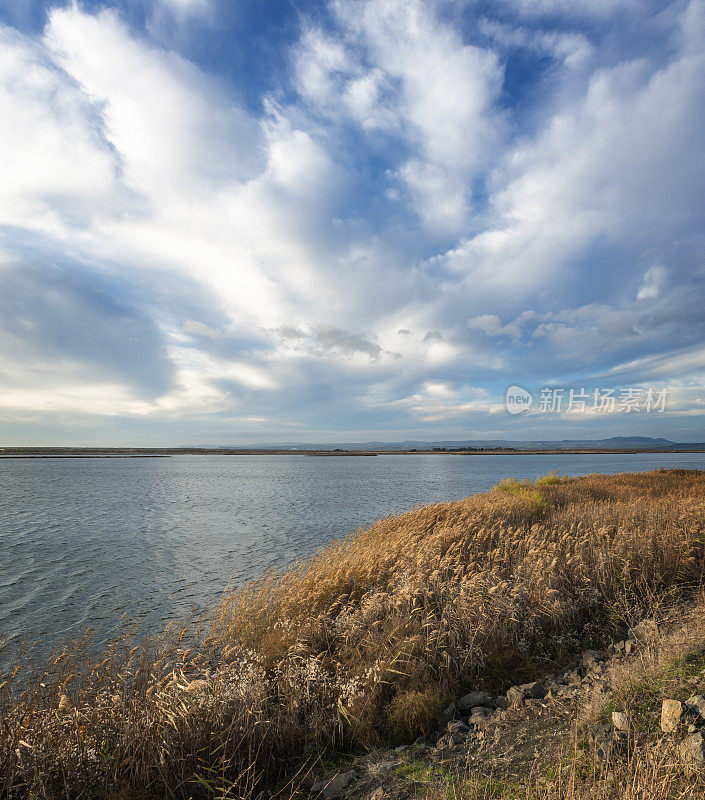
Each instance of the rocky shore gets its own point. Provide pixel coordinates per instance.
(567, 727)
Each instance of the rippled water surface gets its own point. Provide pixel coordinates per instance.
(83, 541)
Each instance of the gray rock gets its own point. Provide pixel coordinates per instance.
(590, 657)
(601, 738)
(473, 699)
(329, 789)
(645, 631)
(479, 717)
(515, 696)
(609, 744)
(696, 705)
(534, 690)
(671, 715)
(382, 767)
(692, 750)
(457, 727)
(446, 716)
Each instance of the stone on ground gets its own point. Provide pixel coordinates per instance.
(692, 750)
(696, 704)
(473, 699)
(333, 787)
(671, 714)
(620, 721)
(533, 690)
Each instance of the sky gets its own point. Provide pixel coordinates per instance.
(244, 221)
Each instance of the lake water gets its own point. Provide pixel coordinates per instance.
(84, 541)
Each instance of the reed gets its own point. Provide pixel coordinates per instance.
(361, 644)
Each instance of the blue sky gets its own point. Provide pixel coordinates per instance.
(232, 221)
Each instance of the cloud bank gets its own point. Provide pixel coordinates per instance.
(417, 205)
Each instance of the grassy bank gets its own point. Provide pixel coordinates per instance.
(551, 751)
(360, 645)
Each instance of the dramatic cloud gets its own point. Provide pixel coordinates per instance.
(396, 68)
(361, 217)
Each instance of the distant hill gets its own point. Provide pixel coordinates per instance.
(637, 441)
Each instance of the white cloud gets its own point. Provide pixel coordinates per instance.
(587, 8)
(174, 131)
(186, 6)
(573, 49)
(197, 328)
(402, 69)
(651, 286)
(625, 156)
(439, 402)
(55, 160)
(680, 362)
(491, 325)
(174, 20)
(220, 197)
(132, 156)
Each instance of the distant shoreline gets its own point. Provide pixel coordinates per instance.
(84, 455)
(68, 453)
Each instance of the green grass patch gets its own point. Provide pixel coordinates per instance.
(688, 665)
(498, 788)
(529, 492)
(450, 784)
(513, 486)
(422, 772)
(550, 480)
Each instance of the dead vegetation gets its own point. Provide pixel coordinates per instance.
(361, 644)
(668, 666)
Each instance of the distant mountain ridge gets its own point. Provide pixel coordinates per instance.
(611, 443)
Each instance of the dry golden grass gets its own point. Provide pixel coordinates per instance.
(653, 774)
(328, 654)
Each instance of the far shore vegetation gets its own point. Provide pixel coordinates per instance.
(360, 646)
(166, 452)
